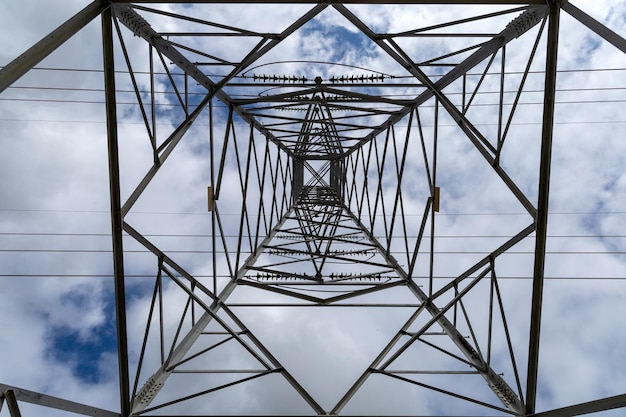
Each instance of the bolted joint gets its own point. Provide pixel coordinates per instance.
(504, 392)
(133, 21)
(522, 23)
(149, 390)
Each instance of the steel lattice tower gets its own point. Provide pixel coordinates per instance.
(325, 186)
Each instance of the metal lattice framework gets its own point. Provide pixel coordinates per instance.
(324, 190)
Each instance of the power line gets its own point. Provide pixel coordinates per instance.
(201, 94)
(21, 275)
(197, 251)
(430, 75)
(252, 215)
(177, 235)
(569, 122)
(191, 93)
(533, 103)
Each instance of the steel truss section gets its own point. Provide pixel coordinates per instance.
(321, 172)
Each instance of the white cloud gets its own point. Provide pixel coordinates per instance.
(57, 183)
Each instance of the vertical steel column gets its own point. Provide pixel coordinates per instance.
(541, 219)
(297, 182)
(116, 210)
(14, 409)
(431, 267)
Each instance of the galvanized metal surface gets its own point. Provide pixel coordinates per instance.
(541, 222)
(320, 187)
(116, 211)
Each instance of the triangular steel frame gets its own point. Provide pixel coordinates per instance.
(321, 214)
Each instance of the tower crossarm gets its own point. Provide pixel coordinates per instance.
(518, 26)
(140, 27)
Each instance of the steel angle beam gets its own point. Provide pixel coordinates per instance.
(56, 403)
(155, 383)
(495, 382)
(516, 28)
(14, 408)
(140, 27)
(541, 219)
(601, 30)
(172, 142)
(460, 2)
(605, 404)
(25, 62)
(116, 210)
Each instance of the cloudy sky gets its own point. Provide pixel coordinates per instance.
(56, 292)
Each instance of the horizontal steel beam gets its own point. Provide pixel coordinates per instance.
(352, 305)
(49, 401)
(347, 96)
(466, 2)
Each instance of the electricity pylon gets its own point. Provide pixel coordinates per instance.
(333, 183)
